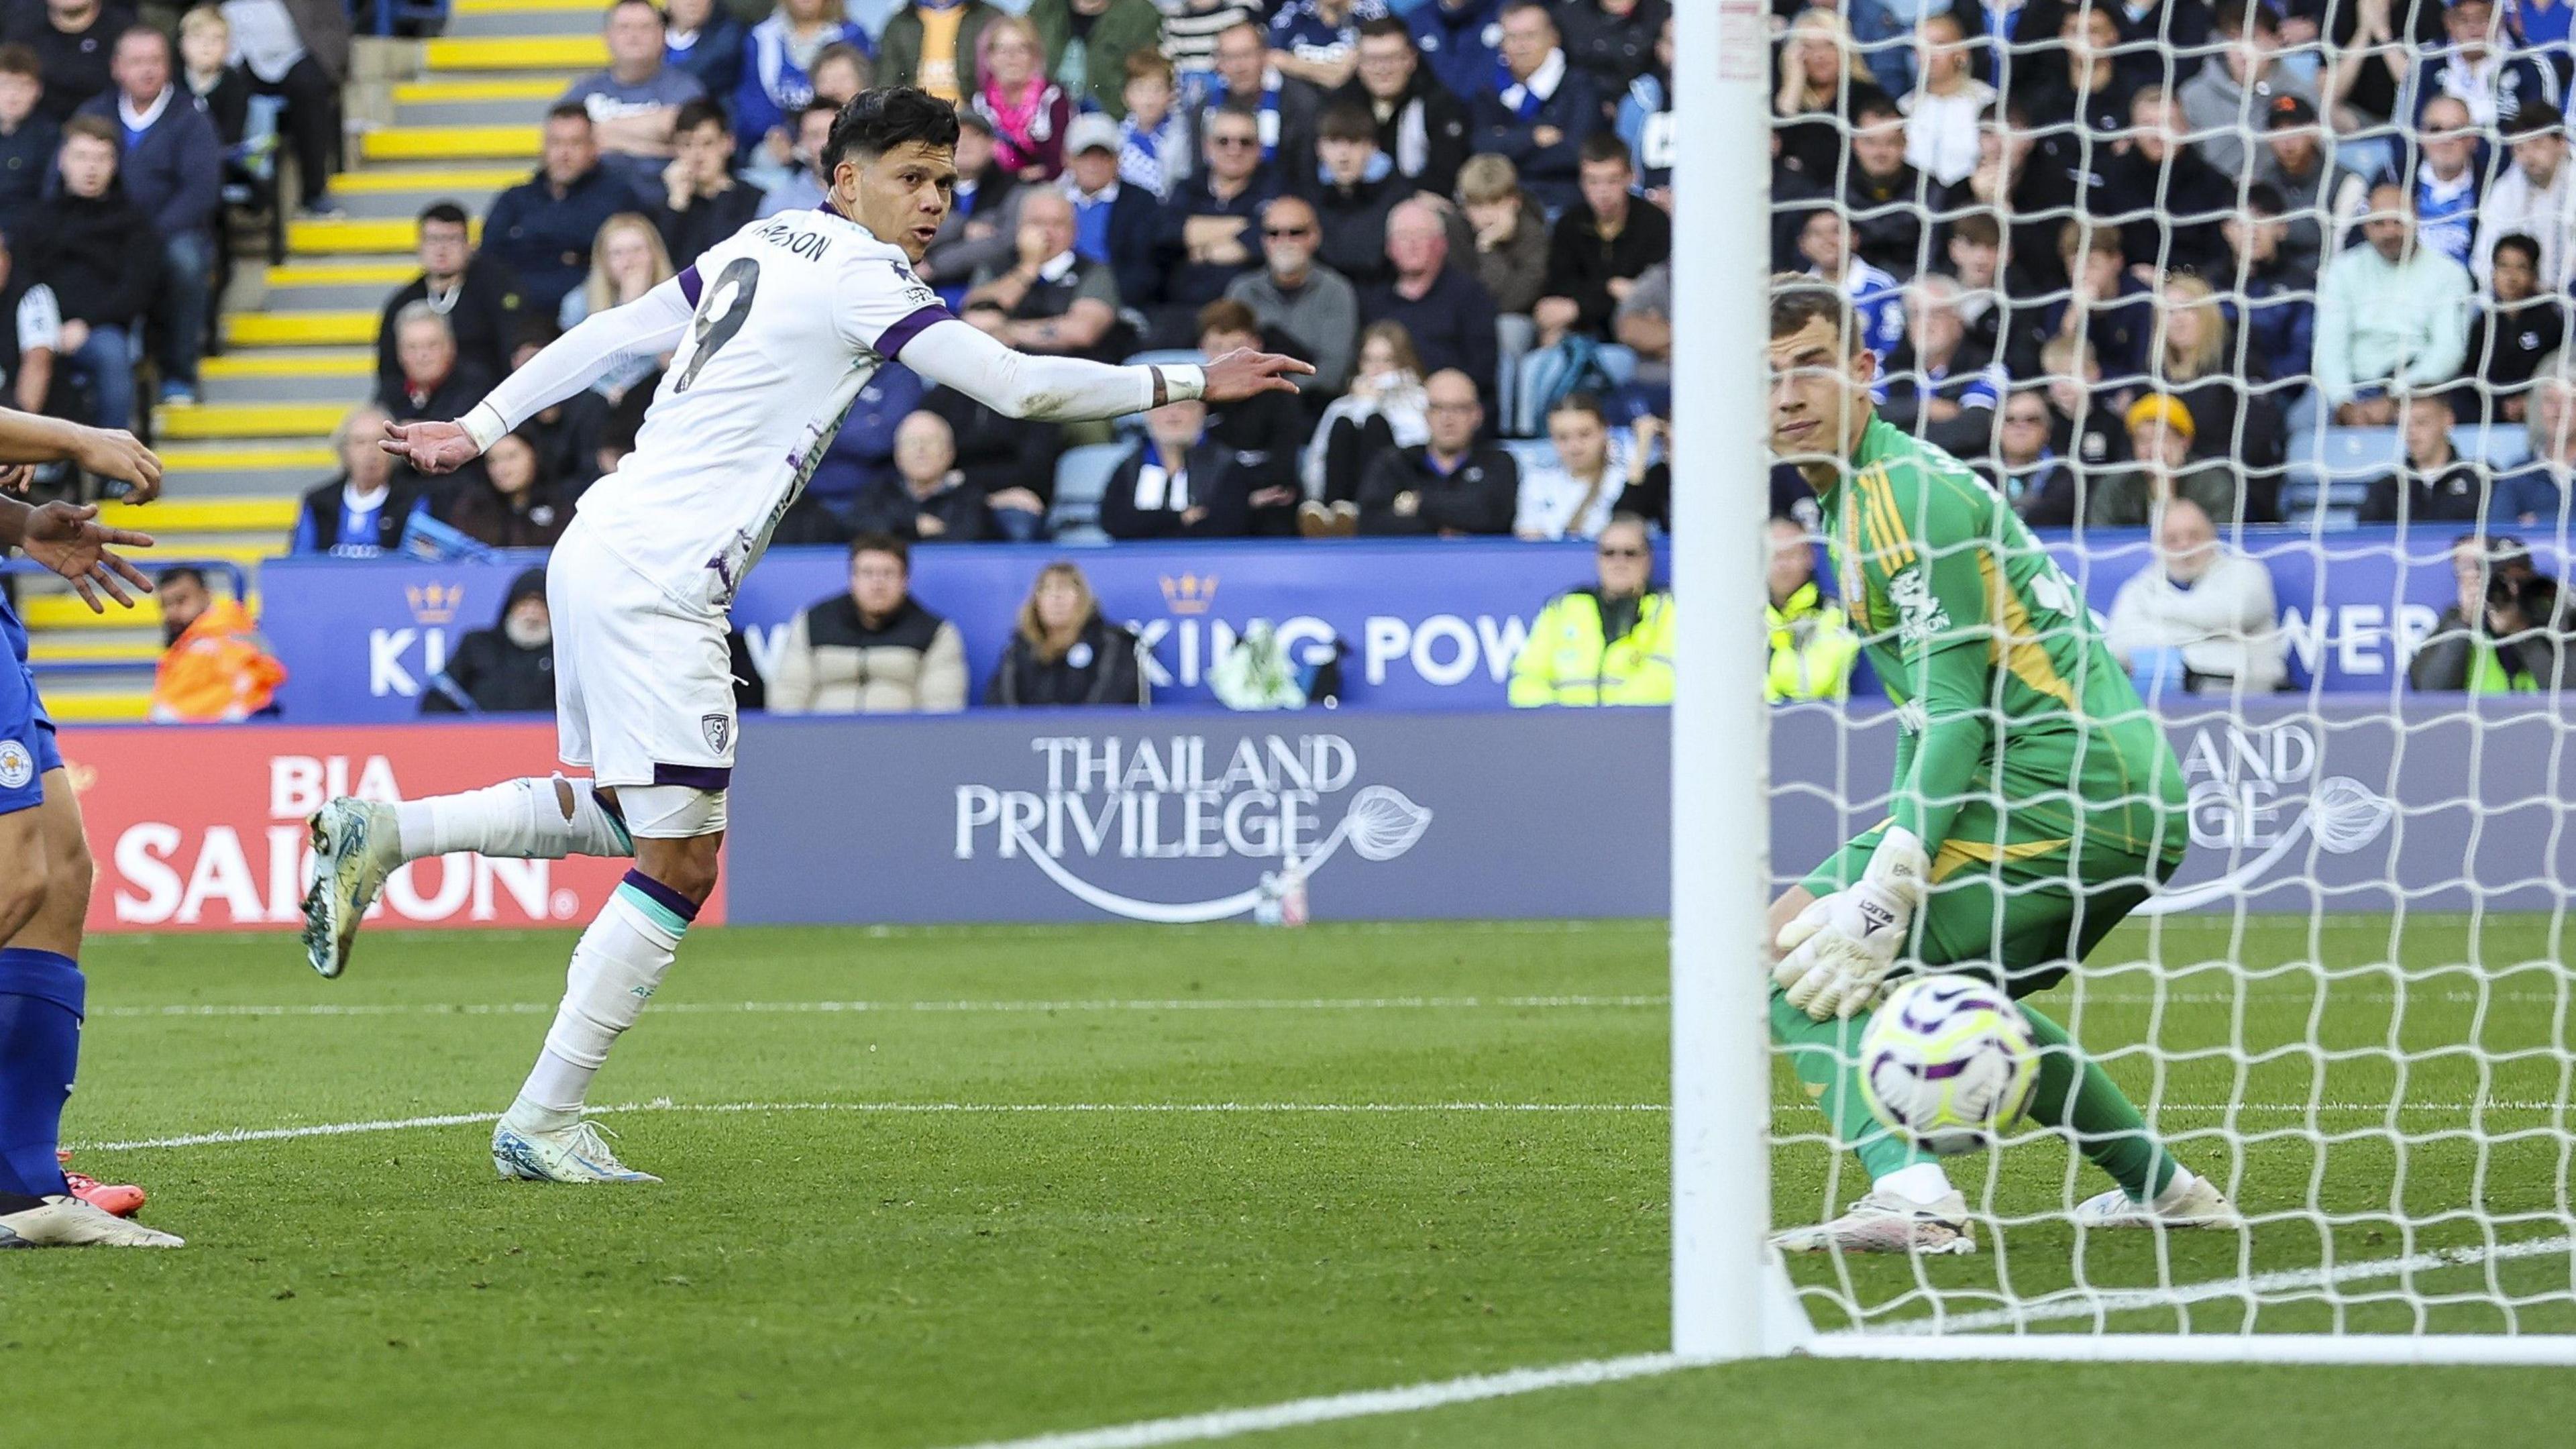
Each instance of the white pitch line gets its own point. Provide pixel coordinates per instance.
(1177, 1109)
(1182, 1109)
(1227, 1423)
(2074, 1303)
(692, 1008)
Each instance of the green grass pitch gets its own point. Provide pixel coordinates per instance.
(855, 1248)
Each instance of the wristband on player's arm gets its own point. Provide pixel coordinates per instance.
(485, 425)
(1178, 383)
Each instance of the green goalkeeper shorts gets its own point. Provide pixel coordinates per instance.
(2012, 902)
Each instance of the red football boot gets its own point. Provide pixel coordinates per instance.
(122, 1199)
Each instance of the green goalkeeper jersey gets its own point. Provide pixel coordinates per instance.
(2007, 697)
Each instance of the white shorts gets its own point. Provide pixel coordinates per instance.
(643, 688)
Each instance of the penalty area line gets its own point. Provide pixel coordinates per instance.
(963, 1007)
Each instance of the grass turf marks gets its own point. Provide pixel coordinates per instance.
(936, 1277)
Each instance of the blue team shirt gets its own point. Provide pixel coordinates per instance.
(1302, 31)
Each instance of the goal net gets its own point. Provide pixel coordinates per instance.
(2251, 327)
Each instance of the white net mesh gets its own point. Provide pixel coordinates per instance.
(2306, 270)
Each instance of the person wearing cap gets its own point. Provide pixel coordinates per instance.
(506, 669)
(2534, 197)
(2391, 315)
(2321, 198)
(2160, 437)
(1113, 223)
(2228, 101)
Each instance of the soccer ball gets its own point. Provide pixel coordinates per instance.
(1948, 1063)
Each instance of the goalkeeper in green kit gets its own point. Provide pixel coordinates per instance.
(2036, 802)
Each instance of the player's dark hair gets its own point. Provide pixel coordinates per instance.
(1797, 299)
(95, 128)
(1228, 314)
(883, 543)
(1384, 26)
(877, 121)
(1978, 229)
(1603, 146)
(2520, 242)
(2265, 199)
(1581, 402)
(2079, 238)
(698, 113)
(179, 573)
(21, 59)
(568, 111)
(447, 213)
(1242, 109)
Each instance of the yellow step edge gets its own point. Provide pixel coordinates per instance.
(311, 329)
(466, 92)
(57, 649)
(182, 515)
(376, 234)
(450, 143)
(126, 707)
(342, 274)
(443, 178)
(516, 52)
(249, 420)
(66, 611)
(525, 7)
(340, 362)
(274, 457)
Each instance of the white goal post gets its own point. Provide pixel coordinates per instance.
(1733, 1297)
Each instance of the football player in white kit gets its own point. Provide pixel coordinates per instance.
(771, 334)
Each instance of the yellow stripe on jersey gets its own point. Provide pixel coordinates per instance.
(2012, 644)
(1882, 491)
(1954, 854)
(1848, 562)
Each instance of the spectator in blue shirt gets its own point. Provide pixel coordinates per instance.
(1537, 108)
(28, 137)
(2493, 87)
(777, 79)
(1451, 34)
(541, 229)
(173, 168)
(1878, 304)
(1210, 231)
(2535, 494)
(703, 40)
(635, 103)
(359, 514)
(2448, 181)
(2278, 314)
(1317, 41)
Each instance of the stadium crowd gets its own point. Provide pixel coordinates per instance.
(2116, 255)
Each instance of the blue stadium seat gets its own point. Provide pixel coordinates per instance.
(1081, 476)
(2503, 448)
(2354, 453)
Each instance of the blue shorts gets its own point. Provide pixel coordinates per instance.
(27, 748)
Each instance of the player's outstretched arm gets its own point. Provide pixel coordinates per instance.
(646, 327)
(34, 438)
(1070, 390)
(69, 539)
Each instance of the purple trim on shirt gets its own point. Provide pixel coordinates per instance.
(690, 283)
(663, 896)
(892, 341)
(695, 777)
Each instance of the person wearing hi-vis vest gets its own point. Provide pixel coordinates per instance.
(1812, 643)
(1606, 643)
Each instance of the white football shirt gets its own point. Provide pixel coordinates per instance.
(794, 313)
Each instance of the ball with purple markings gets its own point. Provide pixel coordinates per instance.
(1947, 1063)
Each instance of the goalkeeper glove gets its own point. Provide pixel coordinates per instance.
(1837, 953)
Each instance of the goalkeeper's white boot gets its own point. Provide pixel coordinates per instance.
(573, 1154)
(356, 844)
(68, 1222)
(2194, 1204)
(1886, 1223)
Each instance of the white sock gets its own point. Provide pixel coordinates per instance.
(2171, 1197)
(514, 820)
(1923, 1184)
(615, 968)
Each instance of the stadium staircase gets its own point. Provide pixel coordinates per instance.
(299, 350)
